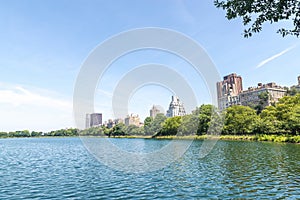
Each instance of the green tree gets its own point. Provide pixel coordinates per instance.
(36, 134)
(148, 121)
(156, 125)
(24, 133)
(106, 131)
(257, 12)
(140, 131)
(94, 131)
(208, 119)
(263, 102)
(268, 122)
(216, 123)
(3, 134)
(292, 91)
(171, 125)
(189, 125)
(239, 120)
(204, 117)
(283, 118)
(287, 112)
(60, 132)
(134, 130)
(294, 120)
(147, 125)
(118, 130)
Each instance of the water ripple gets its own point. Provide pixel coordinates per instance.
(60, 168)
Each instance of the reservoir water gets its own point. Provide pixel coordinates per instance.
(61, 168)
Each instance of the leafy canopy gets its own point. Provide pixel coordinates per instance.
(256, 12)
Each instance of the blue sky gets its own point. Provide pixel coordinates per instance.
(44, 43)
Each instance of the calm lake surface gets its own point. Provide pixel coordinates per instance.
(61, 168)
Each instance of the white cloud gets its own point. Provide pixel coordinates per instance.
(262, 63)
(33, 109)
(105, 93)
(18, 95)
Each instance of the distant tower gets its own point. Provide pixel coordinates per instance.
(154, 111)
(87, 121)
(132, 120)
(299, 80)
(229, 90)
(175, 108)
(94, 119)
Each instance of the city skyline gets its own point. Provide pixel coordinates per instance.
(176, 108)
(45, 43)
(237, 91)
(230, 92)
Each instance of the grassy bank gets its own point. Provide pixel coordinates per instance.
(132, 136)
(269, 138)
(262, 137)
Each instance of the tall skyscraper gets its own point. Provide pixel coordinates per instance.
(229, 90)
(154, 111)
(175, 108)
(94, 119)
(87, 121)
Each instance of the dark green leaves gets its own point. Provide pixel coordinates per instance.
(261, 11)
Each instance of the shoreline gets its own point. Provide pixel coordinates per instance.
(258, 137)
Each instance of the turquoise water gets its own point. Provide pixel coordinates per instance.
(61, 168)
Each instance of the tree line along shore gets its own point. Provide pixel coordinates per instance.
(278, 123)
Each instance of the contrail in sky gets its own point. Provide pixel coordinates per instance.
(274, 56)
